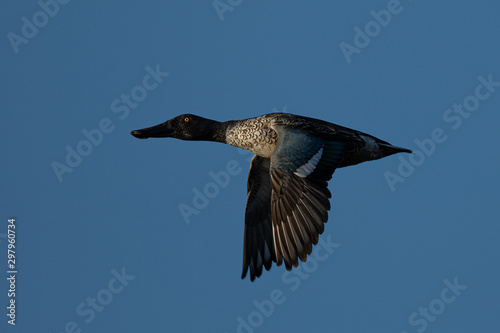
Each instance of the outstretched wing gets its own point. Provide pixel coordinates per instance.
(258, 245)
(301, 165)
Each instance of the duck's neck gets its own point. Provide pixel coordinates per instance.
(215, 131)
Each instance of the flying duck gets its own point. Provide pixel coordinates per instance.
(287, 194)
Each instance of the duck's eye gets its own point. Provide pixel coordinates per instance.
(186, 119)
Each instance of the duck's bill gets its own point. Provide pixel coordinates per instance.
(163, 130)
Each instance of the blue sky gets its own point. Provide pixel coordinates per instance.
(101, 245)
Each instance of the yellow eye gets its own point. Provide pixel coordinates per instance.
(186, 119)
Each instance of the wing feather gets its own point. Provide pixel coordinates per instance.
(300, 168)
(258, 243)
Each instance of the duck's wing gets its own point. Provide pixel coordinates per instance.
(359, 147)
(301, 165)
(258, 246)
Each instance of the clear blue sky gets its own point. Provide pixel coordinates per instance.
(411, 244)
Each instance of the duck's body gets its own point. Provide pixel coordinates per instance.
(288, 198)
(259, 136)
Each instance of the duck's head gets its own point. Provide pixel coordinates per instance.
(183, 127)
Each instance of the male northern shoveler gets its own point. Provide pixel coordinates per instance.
(288, 198)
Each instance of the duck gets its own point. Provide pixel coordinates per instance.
(287, 189)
